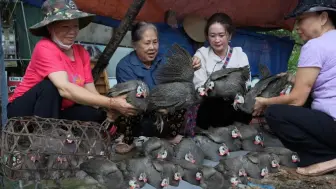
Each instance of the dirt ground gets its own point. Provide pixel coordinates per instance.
(289, 179)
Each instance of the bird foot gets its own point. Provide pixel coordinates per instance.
(163, 111)
(123, 148)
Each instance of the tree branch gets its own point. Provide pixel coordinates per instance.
(117, 37)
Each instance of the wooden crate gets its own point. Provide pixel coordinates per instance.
(102, 85)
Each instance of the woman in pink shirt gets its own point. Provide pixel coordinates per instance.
(58, 82)
(310, 131)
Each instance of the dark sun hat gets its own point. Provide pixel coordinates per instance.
(312, 6)
(57, 10)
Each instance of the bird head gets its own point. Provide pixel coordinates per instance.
(69, 139)
(199, 176)
(295, 158)
(275, 163)
(242, 172)
(141, 91)
(201, 91)
(209, 86)
(34, 157)
(177, 176)
(234, 181)
(258, 140)
(224, 150)
(162, 154)
(61, 159)
(165, 182)
(264, 172)
(143, 177)
(189, 157)
(239, 99)
(133, 184)
(235, 133)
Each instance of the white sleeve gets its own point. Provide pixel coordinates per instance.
(200, 75)
(245, 62)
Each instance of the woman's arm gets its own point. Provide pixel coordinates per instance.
(47, 62)
(91, 87)
(309, 67)
(200, 75)
(76, 93)
(304, 81)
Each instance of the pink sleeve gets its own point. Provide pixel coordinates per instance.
(310, 55)
(87, 67)
(46, 59)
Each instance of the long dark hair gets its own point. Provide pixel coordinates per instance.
(221, 18)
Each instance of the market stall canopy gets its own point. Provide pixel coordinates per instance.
(245, 13)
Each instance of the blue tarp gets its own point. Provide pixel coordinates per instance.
(266, 49)
(270, 50)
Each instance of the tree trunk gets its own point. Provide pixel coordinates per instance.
(117, 37)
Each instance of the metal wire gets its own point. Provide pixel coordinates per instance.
(35, 148)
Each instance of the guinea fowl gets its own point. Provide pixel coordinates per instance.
(191, 172)
(175, 89)
(269, 86)
(171, 173)
(233, 169)
(211, 178)
(188, 152)
(136, 92)
(287, 157)
(212, 151)
(227, 83)
(270, 140)
(255, 143)
(106, 173)
(142, 169)
(230, 136)
(246, 131)
(157, 148)
(260, 164)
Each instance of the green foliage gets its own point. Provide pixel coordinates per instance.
(294, 58)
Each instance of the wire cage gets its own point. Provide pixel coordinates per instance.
(34, 148)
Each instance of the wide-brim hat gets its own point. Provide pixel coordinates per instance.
(312, 6)
(194, 26)
(57, 10)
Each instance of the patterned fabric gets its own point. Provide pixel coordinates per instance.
(190, 116)
(172, 125)
(55, 10)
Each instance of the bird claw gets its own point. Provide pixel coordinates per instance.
(160, 128)
(163, 111)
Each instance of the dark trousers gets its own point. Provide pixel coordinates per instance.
(308, 132)
(44, 100)
(217, 112)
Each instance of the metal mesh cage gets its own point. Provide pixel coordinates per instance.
(34, 148)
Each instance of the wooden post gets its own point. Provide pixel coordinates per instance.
(117, 37)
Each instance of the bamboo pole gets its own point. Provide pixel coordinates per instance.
(115, 40)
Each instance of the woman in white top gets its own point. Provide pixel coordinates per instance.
(215, 111)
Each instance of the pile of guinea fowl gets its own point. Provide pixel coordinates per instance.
(161, 164)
